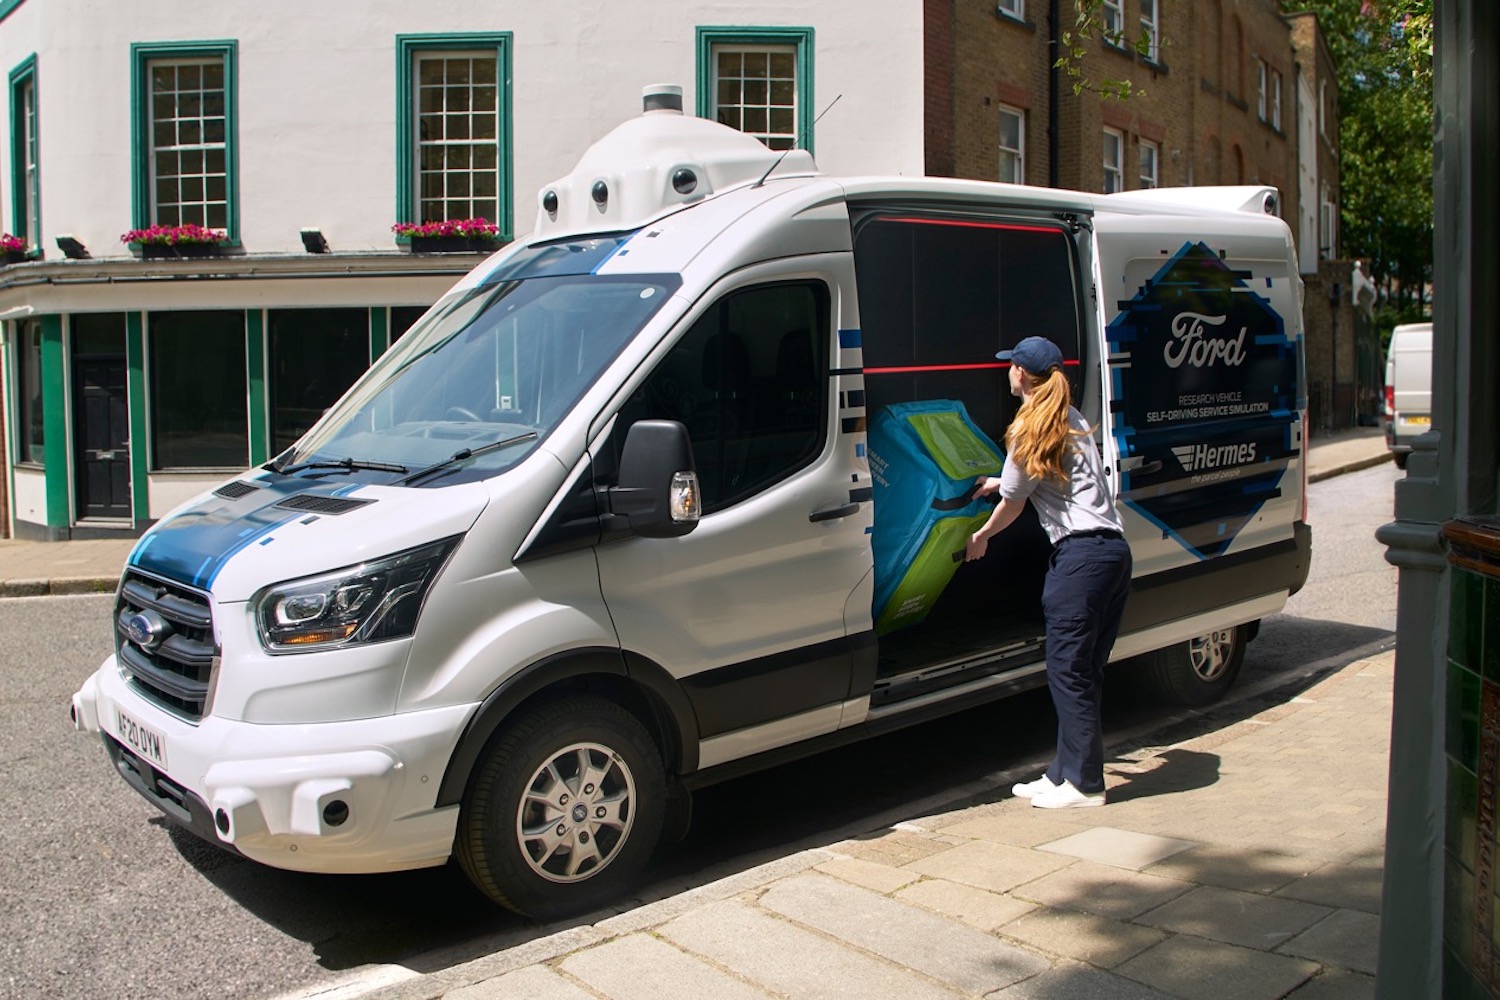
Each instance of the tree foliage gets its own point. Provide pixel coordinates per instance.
(1089, 23)
(1383, 53)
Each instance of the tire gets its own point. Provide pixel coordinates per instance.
(1200, 671)
(536, 835)
(1400, 457)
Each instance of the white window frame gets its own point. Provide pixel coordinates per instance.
(1113, 171)
(1260, 88)
(1012, 8)
(1112, 20)
(1323, 108)
(1016, 155)
(774, 138)
(460, 197)
(1328, 243)
(1276, 100)
(1150, 20)
(212, 210)
(1150, 157)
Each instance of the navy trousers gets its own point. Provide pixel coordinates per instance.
(1088, 579)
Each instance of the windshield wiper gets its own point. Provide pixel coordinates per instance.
(463, 454)
(347, 464)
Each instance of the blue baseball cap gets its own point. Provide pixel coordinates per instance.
(1037, 355)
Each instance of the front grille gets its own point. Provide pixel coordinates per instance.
(175, 666)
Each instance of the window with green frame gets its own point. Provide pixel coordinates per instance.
(183, 134)
(30, 429)
(453, 129)
(25, 177)
(760, 81)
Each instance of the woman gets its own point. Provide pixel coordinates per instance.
(1053, 462)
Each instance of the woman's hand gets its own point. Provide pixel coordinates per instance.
(978, 544)
(985, 486)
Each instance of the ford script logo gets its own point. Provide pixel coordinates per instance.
(145, 629)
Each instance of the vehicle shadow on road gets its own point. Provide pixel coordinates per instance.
(433, 919)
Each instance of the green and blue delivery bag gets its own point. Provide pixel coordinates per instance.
(924, 459)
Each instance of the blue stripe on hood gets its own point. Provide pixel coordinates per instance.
(194, 546)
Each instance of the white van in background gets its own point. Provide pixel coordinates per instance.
(600, 528)
(1408, 387)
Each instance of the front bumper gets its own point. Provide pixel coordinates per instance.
(328, 797)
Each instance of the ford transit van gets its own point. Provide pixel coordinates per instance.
(599, 529)
(1408, 387)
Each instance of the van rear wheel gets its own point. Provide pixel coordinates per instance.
(1200, 671)
(564, 810)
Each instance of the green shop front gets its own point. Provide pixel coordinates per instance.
(130, 386)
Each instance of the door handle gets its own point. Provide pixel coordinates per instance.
(1140, 465)
(833, 513)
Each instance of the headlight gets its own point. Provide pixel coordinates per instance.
(371, 602)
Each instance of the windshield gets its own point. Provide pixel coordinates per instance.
(498, 365)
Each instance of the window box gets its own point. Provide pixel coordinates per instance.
(12, 249)
(172, 251)
(169, 242)
(452, 244)
(450, 236)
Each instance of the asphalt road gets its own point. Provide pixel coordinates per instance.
(101, 896)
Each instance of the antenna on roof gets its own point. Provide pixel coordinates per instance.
(797, 144)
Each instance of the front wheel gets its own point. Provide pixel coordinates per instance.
(564, 810)
(1200, 671)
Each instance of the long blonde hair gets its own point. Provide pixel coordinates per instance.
(1039, 435)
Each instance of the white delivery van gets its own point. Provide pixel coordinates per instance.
(598, 529)
(1408, 387)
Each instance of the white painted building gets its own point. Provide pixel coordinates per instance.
(131, 383)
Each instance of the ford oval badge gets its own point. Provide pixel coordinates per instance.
(145, 629)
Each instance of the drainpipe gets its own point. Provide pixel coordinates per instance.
(1053, 41)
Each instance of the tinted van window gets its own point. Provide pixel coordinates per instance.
(747, 380)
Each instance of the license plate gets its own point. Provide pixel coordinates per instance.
(1417, 420)
(144, 740)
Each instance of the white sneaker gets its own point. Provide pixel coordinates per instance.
(1065, 796)
(1031, 789)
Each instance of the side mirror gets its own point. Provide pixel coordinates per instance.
(658, 493)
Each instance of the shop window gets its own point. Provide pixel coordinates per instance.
(29, 398)
(315, 354)
(199, 400)
(403, 318)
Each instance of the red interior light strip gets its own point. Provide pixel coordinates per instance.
(949, 368)
(974, 224)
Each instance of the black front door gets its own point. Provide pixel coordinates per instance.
(101, 428)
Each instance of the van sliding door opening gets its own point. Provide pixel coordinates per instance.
(939, 295)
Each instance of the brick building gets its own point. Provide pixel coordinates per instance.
(1229, 92)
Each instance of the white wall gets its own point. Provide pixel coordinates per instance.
(317, 96)
(30, 499)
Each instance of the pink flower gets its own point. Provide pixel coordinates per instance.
(479, 228)
(12, 244)
(172, 235)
